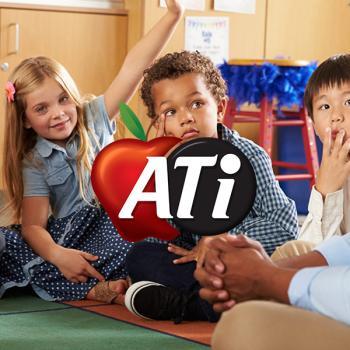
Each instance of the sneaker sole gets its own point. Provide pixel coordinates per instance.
(131, 293)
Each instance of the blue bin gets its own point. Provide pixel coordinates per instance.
(291, 149)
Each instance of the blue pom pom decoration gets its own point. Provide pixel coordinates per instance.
(249, 84)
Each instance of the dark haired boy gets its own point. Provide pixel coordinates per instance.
(327, 99)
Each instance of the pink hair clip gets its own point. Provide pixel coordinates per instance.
(10, 91)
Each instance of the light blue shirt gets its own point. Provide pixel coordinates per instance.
(326, 289)
(53, 171)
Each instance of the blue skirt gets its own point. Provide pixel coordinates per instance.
(89, 230)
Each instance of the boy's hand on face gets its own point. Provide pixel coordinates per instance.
(160, 125)
(335, 165)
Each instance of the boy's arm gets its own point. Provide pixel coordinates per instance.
(273, 218)
(324, 217)
(140, 57)
(327, 198)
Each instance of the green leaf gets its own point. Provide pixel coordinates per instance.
(131, 121)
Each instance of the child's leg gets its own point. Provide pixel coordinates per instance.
(292, 248)
(152, 262)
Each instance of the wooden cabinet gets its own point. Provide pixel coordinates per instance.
(311, 30)
(92, 46)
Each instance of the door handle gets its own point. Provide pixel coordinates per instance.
(4, 66)
(14, 49)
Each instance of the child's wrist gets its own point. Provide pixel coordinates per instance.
(175, 14)
(54, 254)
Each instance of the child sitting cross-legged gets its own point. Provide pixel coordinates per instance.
(186, 97)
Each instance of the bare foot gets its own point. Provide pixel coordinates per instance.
(109, 292)
(120, 287)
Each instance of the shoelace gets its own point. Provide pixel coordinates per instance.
(185, 299)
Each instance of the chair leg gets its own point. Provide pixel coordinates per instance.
(310, 147)
(230, 113)
(266, 126)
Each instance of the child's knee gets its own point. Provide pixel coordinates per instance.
(292, 248)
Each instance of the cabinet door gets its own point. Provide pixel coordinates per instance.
(311, 30)
(91, 46)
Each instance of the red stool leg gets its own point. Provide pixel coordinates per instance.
(310, 147)
(266, 126)
(230, 113)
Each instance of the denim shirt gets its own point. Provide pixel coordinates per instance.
(52, 172)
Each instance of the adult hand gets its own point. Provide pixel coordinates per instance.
(229, 267)
(75, 265)
(212, 261)
(335, 165)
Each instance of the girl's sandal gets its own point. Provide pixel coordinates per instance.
(104, 293)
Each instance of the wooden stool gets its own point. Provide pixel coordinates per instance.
(268, 119)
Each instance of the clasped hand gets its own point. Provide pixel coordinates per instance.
(231, 270)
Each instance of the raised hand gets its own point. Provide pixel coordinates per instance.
(335, 165)
(175, 6)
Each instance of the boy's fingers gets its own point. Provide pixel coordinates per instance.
(327, 143)
(338, 143)
(344, 152)
(178, 250)
(184, 259)
(160, 126)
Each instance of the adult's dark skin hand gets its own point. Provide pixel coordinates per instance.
(237, 268)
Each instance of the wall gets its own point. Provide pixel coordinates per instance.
(247, 37)
(71, 3)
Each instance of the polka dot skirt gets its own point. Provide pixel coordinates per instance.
(89, 230)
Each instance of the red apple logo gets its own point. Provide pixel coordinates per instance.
(116, 170)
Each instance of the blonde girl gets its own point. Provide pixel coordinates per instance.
(51, 138)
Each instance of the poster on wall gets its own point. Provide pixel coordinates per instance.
(198, 5)
(240, 6)
(209, 36)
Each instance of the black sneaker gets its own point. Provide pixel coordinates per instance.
(155, 301)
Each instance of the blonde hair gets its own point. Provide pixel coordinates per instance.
(19, 141)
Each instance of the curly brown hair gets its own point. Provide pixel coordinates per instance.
(174, 65)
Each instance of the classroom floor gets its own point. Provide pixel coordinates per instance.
(27, 322)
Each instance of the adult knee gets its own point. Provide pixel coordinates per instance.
(244, 327)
